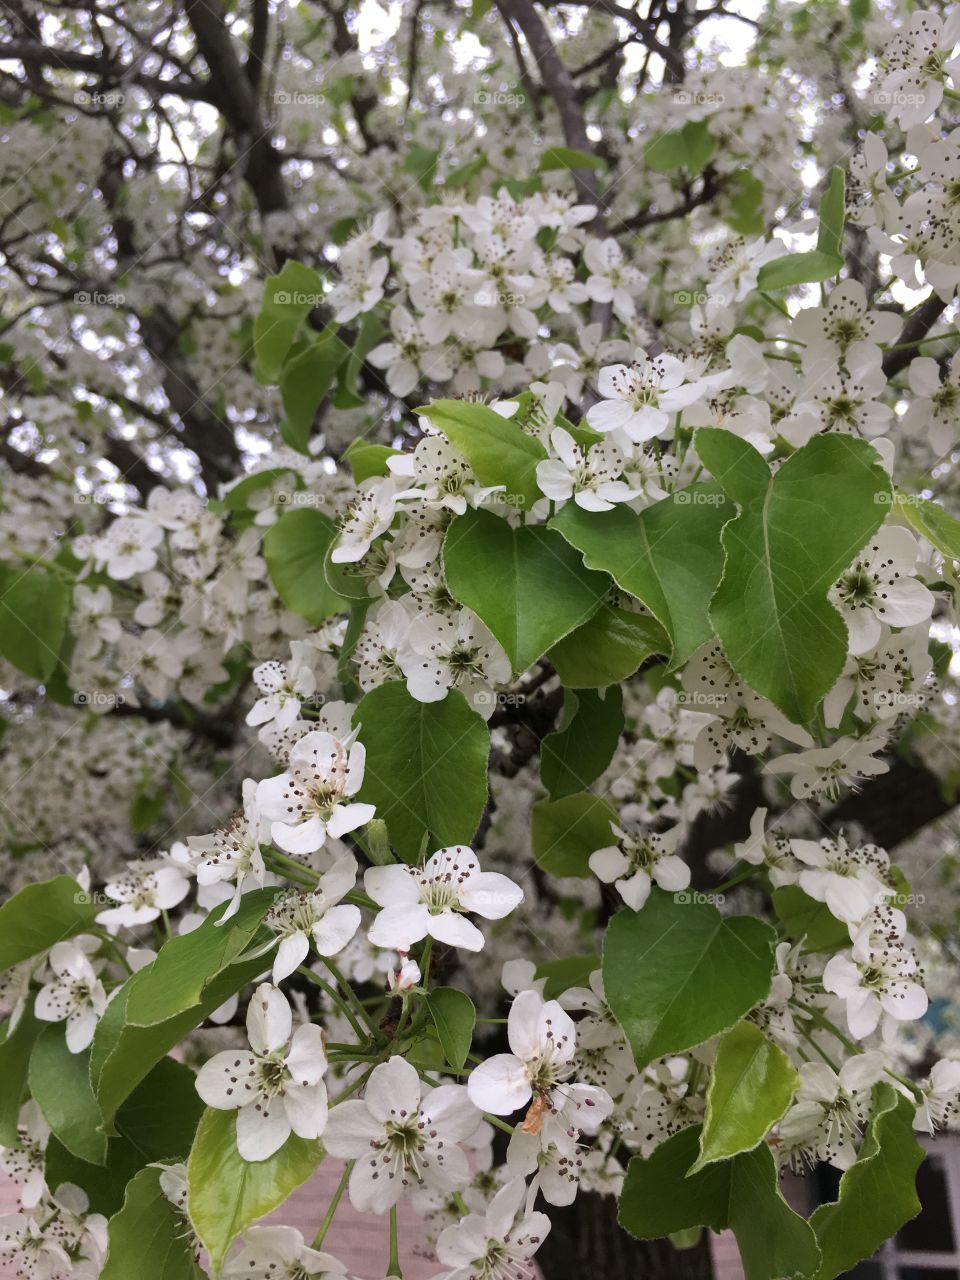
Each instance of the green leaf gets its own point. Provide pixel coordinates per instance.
(607, 648)
(743, 203)
(498, 451)
(565, 832)
(669, 556)
(454, 1017)
(185, 965)
(421, 162)
(660, 1197)
(426, 767)
(305, 379)
(226, 1193)
(60, 1085)
(752, 1083)
(157, 1122)
(677, 972)
(803, 918)
(15, 1051)
(569, 158)
(689, 148)
(368, 459)
(146, 1238)
(570, 971)
(931, 522)
(833, 216)
(877, 1194)
(123, 1053)
(288, 298)
(578, 753)
(465, 173)
(371, 329)
(39, 915)
(796, 532)
(295, 549)
(527, 584)
(798, 268)
(34, 604)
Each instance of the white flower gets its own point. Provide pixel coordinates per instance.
(637, 400)
(275, 1252)
(428, 900)
(826, 769)
(935, 411)
(278, 1086)
(312, 799)
(24, 1162)
(147, 887)
(879, 977)
(360, 287)
(128, 547)
(406, 977)
(851, 881)
(370, 515)
(611, 279)
(409, 356)
(879, 587)
(233, 852)
(75, 994)
(588, 476)
(29, 1245)
(497, 1244)
(830, 1112)
(639, 859)
(940, 1103)
(769, 849)
(401, 1135)
(282, 690)
(299, 917)
(839, 328)
(919, 58)
(441, 477)
(453, 652)
(543, 1040)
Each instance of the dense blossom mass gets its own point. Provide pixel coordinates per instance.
(478, 616)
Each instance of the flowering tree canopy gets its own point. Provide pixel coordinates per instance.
(476, 557)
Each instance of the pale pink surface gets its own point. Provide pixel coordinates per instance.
(361, 1241)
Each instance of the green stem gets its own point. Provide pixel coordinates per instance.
(393, 1266)
(348, 991)
(296, 872)
(341, 1005)
(332, 1207)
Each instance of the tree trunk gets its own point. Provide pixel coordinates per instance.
(586, 1240)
